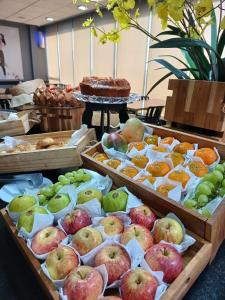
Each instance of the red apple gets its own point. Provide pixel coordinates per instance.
(169, 230)
(84, 283)
(112, 225)
(138, 232)
(76, 220)
(138, 284)
(86, 239)
(163, 257)
(47, 239)
(61, 261)
(143, 215)
(116, 260)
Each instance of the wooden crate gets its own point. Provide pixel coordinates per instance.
(58, 119)
(17, 127)
(195, 260)
(211, 229)
(197, 103)
(46, 159)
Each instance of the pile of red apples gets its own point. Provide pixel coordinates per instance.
(84, 282)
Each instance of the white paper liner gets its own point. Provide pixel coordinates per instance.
(15, 215)
(187, 240)
(162, 287)
(191, 181)
(60, 282)
(146, 181)
(102, 270)
(92, 207)
(40, 222)
(191, 153)
(154, 155)
(77, 135)
(175, 193)
(134, 152)
(44, 256)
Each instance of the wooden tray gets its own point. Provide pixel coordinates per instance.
(46, 159)
(17, 127)
(195, 260)
(212, 229)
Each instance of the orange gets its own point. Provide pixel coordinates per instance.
(183, 147)
(164, 189)
(167, 140)
(114, 163)
(198, 168)
(138, 145)
(177, 158)
(140, 161)
(159, 149)
(150, 178)
(100, 156)
(151, 139)
(208, 155)
(158, 168)
(180, 176)
(129, 171)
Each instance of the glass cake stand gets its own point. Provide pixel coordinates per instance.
(107, 100)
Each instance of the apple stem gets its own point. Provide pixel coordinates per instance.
(115, 195)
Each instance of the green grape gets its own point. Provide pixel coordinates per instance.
(190, 203)
(206, 213)
(57, 186)
(220, 168)
(47, 191)
(210, 185)
(222, 191)
(69, 174)
(211, 178)
(202, 200)
(42, 199)
(78, 177)
(63, 180)
(218, 175)
(224, 165)
(204, 189)
(223, 183)
(86, 177)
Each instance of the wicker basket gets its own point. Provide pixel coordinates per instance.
(59, 119)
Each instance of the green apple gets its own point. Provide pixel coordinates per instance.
(21, 203)
(47, 191)
(26, 219)
(58, 202)
(115, 201)
(89, 194)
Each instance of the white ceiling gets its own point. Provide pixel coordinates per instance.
(34, 12)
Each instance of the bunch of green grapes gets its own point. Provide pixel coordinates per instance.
(211, 186)
(76, 178)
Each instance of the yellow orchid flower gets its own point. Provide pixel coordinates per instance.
(203, 8)
(162, 12)
(222, 24)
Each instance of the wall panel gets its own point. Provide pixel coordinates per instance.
(52, 54)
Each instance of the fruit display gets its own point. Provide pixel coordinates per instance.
(82, 261)
(161, 163)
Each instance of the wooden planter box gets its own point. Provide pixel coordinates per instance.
(212, 229)
(195, 260)
(17, 127)
(46, 159)
(196, 103)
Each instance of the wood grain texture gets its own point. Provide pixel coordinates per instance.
(46, 159)
(211, 229)
(196, 103)
(195, 260)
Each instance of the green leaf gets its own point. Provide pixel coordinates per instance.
(191, 64)
(213, 35)
(221, 43)
(187, 67)
(178, 73)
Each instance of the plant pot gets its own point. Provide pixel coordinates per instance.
(196, 103)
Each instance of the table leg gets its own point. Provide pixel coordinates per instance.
(87, 117)
(108, 121)
(123, 115)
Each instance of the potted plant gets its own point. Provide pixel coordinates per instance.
(199, 90)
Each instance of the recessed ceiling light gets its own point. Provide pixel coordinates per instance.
(82, 7)
(49, 19)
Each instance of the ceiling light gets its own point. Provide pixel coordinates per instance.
(49, 19)
(82, 7)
